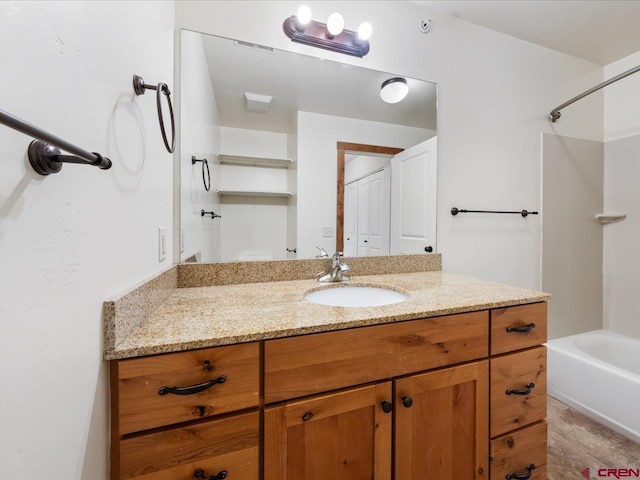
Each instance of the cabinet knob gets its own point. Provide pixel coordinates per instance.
(428, 249)
(524, 476)
(387, 406)
(407, 401)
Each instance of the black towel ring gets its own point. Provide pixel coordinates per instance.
(207, 184)
(139, 87)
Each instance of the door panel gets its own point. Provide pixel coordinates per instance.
(451, 445)
(341, 436)
(378, 212)
(413, 199)
(351, 220)
(363, 218)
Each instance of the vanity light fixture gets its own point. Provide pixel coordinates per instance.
(301, 28)
(394, 90)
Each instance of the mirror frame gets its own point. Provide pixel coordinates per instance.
(343, 148)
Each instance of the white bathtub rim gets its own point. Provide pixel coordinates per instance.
(566, 346)
(598, 417)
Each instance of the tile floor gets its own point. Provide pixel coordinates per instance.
(576, 442)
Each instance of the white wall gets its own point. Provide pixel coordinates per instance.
(253, 227)
(200, 137)
(494, 95)
(71, 240)
(317, 168)
(572, 183)
(622, 100)
(621, 195)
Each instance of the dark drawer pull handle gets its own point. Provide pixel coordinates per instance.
(527, 391)
(526, 329)
(201, 387)
(387, 406)
(524, 476)
(200, 475)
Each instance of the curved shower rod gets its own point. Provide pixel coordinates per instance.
(555, 113)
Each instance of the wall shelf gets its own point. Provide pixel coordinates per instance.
(245, 193)
(254, 161)
(605, 218)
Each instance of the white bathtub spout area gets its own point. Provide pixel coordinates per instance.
(598, 374)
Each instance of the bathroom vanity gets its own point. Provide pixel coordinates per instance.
(450, 384)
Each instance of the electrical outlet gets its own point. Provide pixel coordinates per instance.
(162, 243)
(181, 239)
(327, 232)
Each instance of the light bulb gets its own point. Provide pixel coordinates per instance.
(303, 14)
(364, 31)
(335, 24)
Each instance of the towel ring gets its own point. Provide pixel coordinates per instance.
(139, 87)
(207, 184)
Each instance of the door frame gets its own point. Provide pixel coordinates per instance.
(343, 148)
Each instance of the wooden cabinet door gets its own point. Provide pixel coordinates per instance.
(441, 424)
(341, 436)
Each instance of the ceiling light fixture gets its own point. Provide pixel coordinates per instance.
(300, 28)
(394, 90)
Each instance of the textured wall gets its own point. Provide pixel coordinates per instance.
(71, 240)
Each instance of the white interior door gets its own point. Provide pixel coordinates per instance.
(363, 218)
(350, 235)
(378, 212)
(413, 199)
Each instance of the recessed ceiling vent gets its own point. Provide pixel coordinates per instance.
(257, 103)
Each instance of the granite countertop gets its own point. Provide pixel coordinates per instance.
(220, 315)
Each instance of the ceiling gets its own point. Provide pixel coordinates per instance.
(303, 83)
(594, 30)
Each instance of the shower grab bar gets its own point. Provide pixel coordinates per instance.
(555, 113)
(44, 152)
(524, 213)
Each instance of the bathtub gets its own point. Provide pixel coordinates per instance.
(598, 374)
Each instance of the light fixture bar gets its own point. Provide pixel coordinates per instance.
(315, 34)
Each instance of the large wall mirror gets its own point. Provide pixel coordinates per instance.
(300, 153)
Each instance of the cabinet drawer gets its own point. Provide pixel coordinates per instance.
(230, 444)
(515, 452)
(514, 328)
(144, 401)
(321, 362)
(518, 390)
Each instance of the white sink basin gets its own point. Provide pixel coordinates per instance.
(356, 296)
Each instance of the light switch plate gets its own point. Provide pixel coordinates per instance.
(162, 243)
(327, 232)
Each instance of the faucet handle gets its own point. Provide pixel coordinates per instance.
(322, 253)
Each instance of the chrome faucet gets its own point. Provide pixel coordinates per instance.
(339, 271)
